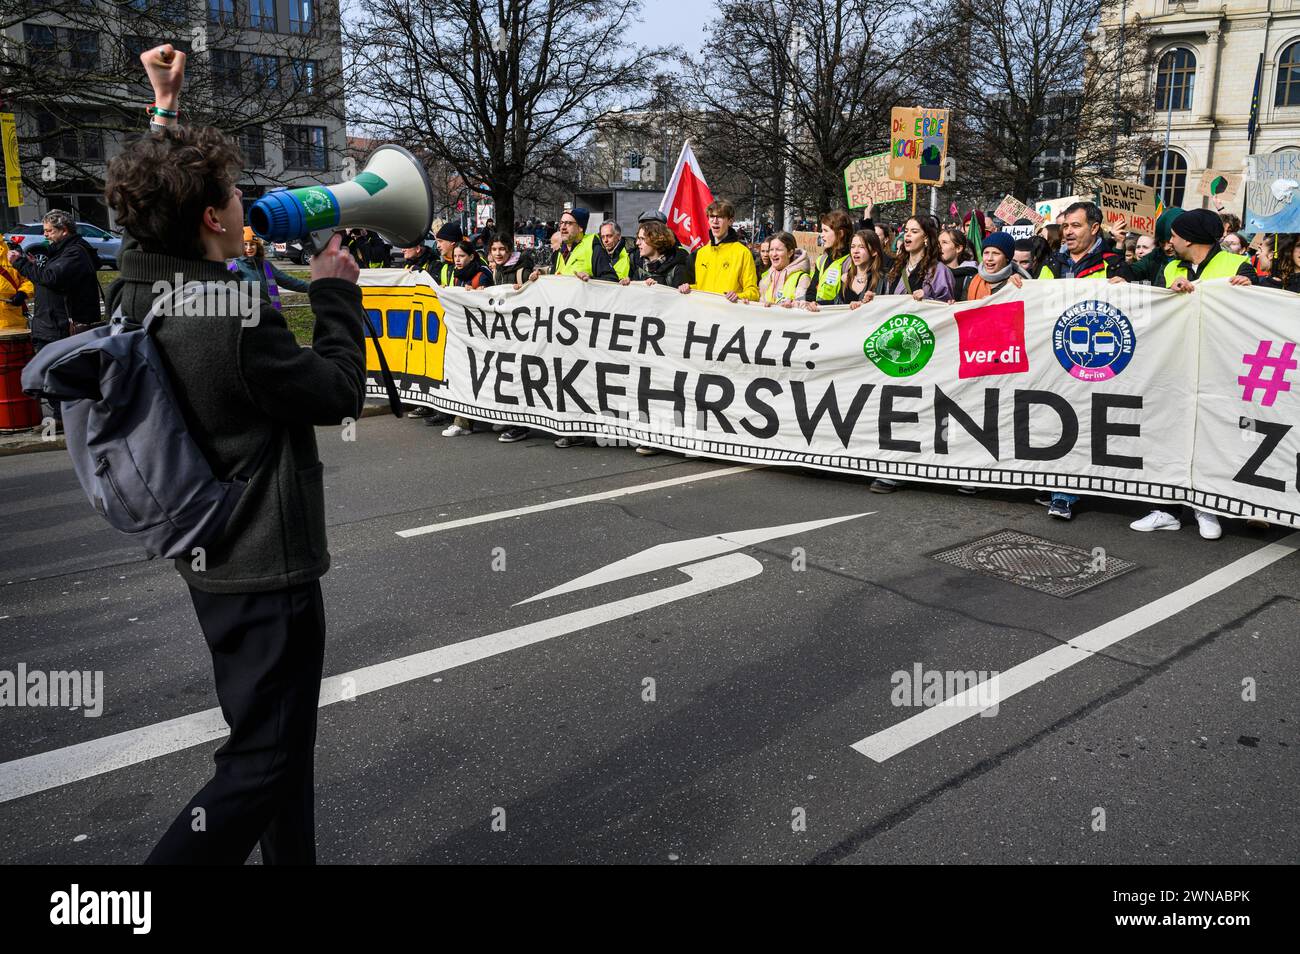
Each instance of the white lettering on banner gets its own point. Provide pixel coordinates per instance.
(1081, 386)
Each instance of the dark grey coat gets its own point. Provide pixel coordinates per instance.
(240, 386)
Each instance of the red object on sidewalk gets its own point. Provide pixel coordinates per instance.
(685, 200)
(17, 410)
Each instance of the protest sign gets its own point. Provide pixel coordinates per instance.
(1019, 231)
(1049, 209)
(810, 242)
(1220, 185)
(1010, 210)
(1273, 192)
(1124, 391)
(1130, 202)
(918, 144)
(866, 180)
(525, 241)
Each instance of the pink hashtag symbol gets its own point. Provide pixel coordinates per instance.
(1256, 381)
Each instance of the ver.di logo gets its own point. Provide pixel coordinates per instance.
(901, 346)
(1093, 340)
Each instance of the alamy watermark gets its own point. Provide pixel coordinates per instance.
(962, 688)
(235, 298)
(55, 689)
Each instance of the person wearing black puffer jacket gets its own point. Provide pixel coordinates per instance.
(67, 288)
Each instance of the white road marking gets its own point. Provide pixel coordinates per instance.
(574, 501)
(887, 743)
(46, 770)
(685, 551)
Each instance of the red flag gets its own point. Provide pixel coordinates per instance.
(952, 209)
(685, 200)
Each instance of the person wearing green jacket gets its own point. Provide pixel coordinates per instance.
(1150, 268)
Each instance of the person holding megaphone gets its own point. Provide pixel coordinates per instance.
(252, 398)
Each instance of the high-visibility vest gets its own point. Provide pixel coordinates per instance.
(1221, 265)
(789, 288)
(579, 259)
(828, 277)
(622, 262)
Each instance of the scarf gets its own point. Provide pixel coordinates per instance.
(466, 275)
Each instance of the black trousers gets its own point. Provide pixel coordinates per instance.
(56, 407)
(267, 653)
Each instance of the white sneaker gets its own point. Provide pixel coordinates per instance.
(1156, 520)
(456, 431)
(1208, 524)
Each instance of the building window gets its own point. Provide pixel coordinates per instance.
(302, 15)
(1166, 172)
(1288, 77)
(261, 15)
(42, 45)
(252, 142)
(225, 71)
(265, 72)
(221, 11)
(84, 45)
(72, 138)
(304, 147)
(1174, 80)
(304, 76)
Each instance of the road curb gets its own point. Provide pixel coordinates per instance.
(23, 443)
(13, 444)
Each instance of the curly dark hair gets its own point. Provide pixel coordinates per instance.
(159, 186)
(1284, 266)
(658, 236)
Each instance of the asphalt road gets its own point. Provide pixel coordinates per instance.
(662, 714)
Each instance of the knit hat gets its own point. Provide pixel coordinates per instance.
(248, 234)
(1199, 226)
(450, 232)
(581, 216)
(1003, 242)
(1165, 223)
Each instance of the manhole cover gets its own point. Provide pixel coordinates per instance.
(1038, 564)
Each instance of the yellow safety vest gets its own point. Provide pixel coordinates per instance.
(829, 277)
(1221, 265)
(578, 260)
(789, 288)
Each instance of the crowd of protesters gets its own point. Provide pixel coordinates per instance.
(855, 261)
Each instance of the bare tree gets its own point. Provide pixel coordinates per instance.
(72, 71)
(502, 91)
(798, 89)
(1037, 95)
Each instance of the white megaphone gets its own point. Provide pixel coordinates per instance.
(391, 196)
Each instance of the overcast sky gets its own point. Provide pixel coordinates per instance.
(673, 23)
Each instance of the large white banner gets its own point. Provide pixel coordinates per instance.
(1082, 386)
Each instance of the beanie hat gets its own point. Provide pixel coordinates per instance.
(248, 234)
(581, 216)
(1165, 223)
(450, 232)
(1003, 242)
(1199, 226)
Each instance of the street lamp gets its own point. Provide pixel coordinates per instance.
(798, 40)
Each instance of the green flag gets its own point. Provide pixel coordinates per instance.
(976, 236)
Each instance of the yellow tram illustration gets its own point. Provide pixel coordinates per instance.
(408, 319)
